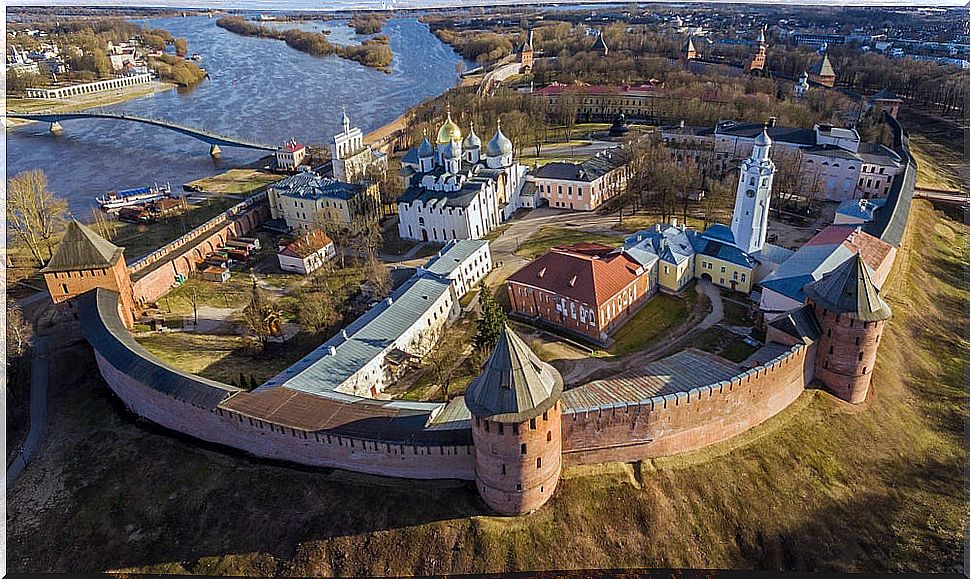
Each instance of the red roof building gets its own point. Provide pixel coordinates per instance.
(586, 289)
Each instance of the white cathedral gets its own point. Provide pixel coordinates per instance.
(455, 190)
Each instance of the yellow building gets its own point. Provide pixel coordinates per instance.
(682, 255)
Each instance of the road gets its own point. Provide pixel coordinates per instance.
(38, 408)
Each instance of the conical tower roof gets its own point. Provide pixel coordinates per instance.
(823, 67)
(515, 386)
(82, 248)
(600, 44)
(689, 45)
(848, 289)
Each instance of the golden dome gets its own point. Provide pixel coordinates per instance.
(449, 131)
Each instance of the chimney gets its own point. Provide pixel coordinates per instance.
(333, 350)
(657, 227)
(682, 123)
(673, 222)
(771, 122)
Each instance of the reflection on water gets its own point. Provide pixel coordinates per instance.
(259, 89)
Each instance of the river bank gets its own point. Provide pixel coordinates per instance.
(98, 99)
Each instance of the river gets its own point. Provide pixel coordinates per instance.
(259, 89)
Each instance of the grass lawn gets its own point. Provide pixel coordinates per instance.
(548, 237)
(224, 358)
(661, 314)
(639, 221)
(236, 181)
(821, 487)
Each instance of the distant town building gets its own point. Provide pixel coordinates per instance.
(689, 52)
(822, 72)
(885, 100)
(526, 53)
(801, 87)
(757, 61)
(352, 159)
(307, 253)
(290, 156)
(603, 102)
(60, 92)
(584, 186)
(600, 45)
(307, 201)
(818, 40)
(457, 190)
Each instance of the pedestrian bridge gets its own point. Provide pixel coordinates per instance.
(214, 140)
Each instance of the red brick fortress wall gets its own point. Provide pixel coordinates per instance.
(283, 443)
(686, 421)
(154, 275)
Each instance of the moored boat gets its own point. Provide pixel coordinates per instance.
(114, 200)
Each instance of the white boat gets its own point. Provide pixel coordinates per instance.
(114, 200)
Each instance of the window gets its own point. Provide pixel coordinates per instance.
(515, 428)
(501, 429)
(860, 356)
(532, 424)
(64, 287)
(549, 436)
(503, 469)
(856, 340)
(538, 462)
(522, 449)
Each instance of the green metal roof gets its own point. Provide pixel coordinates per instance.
(82, 248)
(848, 289)
(515, 386)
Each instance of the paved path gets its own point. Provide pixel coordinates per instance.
(581, 369)
(38, 408)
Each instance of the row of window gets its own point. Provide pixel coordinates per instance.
(80, 273)
(533, 425)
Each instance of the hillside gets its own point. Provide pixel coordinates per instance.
(823, 486)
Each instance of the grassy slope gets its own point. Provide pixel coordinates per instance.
(823, 486)
(656, 318)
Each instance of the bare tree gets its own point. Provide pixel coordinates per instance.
(20, 333)
(442, 358)
(34, 214)
(263, 318)
(377, 275)
(317, 311)
(567, 110)
(338, 231)
(192, 296)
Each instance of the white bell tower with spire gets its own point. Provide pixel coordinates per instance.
(750, 221)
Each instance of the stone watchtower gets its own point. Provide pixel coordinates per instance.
(851, 316)
(516, 411)
(84, 261)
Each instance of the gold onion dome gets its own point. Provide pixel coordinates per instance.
(449, 131)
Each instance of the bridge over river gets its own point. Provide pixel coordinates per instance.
(214, 140)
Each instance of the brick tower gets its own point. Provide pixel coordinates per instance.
(516, 410)
(756, 64)
(851, 316)
(83, 261)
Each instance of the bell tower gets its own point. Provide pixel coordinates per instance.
(749, 223)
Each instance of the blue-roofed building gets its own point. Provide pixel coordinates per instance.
(682, 255)
(857, 211)
(307, 201)
(371, 352)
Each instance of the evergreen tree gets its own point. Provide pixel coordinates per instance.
(490, 322)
